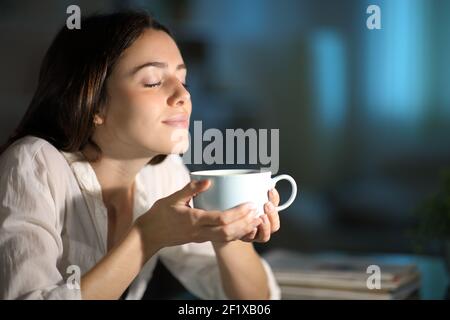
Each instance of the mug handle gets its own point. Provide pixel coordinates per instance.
(293, 193)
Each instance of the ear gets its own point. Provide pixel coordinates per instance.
(98, 120)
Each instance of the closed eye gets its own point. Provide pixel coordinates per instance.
(152, 85)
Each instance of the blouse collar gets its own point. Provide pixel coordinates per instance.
(89, 184)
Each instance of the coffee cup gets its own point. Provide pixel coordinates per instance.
(231, 187)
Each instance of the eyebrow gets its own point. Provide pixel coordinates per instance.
(156, 64)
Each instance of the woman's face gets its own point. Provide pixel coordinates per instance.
(148, 106)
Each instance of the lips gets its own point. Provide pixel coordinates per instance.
(178, 121)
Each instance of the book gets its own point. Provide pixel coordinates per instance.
(297, 293)
(339, 276)
(292, 279)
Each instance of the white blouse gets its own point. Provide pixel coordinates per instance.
(52, 217)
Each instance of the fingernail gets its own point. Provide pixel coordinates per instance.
(270, 206)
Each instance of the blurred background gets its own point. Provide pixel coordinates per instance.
(364, 115)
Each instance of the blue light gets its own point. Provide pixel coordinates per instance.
(395, 61)
(329, 77)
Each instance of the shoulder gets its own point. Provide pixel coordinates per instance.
(31, 154)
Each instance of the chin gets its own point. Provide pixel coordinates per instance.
(172, 148)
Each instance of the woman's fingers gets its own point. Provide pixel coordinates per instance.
(271, 211)
(274, 197)
(234, 230)
(264, 230)
(240, 222)
(273, 216)
(251, 236)
(222, 218)
(190, 190)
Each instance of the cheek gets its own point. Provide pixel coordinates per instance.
(135, 118)
(134, 112)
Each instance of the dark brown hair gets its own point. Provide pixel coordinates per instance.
(72, 80)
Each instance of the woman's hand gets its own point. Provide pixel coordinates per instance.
(171, 221)
(270, 220)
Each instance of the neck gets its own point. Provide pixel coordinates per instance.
(116, 177)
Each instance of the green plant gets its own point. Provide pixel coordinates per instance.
(434, 213)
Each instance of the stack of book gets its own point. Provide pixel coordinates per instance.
(303, 276)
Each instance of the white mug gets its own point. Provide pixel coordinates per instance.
(232, 187)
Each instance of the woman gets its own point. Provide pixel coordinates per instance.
(92, 184)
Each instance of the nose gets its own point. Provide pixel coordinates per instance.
(180, 96)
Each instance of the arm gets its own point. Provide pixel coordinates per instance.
(241, 271)
(30, 238)
(223, 269)
(109, 278)
(169, 222)
(245, 277)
